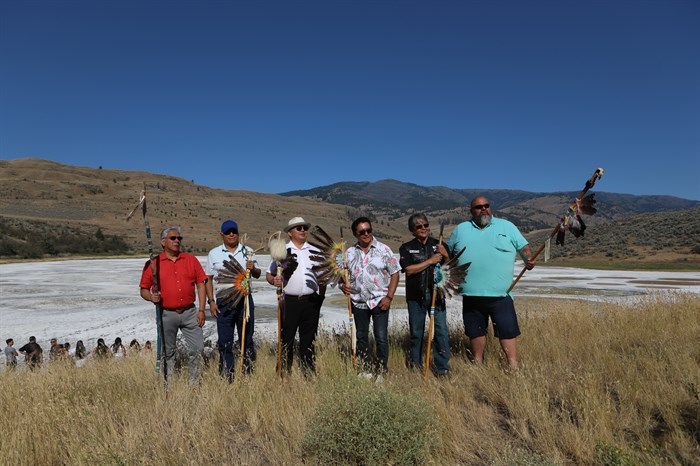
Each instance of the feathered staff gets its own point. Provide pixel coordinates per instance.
(238, 277)
(286, 265)
(448, 278)
(160, 349)
(332, 269)
(571, 220)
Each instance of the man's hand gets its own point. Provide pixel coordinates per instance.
(213, 308)
(201, 317)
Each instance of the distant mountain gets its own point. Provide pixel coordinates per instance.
(529, 210)
(49, 209)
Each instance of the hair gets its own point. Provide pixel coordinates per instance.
(80, 351)
(412, 221)
(164, 231)
(9, 340)
(359, 220)
(32, 339)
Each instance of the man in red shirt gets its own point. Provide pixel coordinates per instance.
(179, 274)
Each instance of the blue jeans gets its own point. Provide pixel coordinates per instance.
(228, 320)
(380, 327)
(417, 312)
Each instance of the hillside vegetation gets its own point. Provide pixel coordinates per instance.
(48, 209)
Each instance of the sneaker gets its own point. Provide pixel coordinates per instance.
(365, 375)
(379, 380)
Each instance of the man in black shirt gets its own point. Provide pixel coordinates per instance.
(418, 258)
(32, 353)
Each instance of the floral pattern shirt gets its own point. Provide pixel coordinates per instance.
(370, 273)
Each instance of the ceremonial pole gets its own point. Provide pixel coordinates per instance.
(431, 324)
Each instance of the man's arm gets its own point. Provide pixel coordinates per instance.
(211, 298)
(526, 255)
(202, 298)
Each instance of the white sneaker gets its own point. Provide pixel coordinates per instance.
(379, 379)
(365, 375)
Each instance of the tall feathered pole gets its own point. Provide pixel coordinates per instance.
(571, 220)
(246, 303)
(160, 348)
(278, 253)
(332, 269)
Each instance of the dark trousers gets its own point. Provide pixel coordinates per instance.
(303, 315)
(380, 327)
(228, 321)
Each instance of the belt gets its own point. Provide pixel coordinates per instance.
(303, 297)
(180, 310)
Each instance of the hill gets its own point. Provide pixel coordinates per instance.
(529, 210)
(47, 208)
(44, 201)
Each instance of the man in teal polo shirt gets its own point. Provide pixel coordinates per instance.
(491, 244)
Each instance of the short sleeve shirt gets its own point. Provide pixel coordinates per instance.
(217, 256)
(491, 250)
(370, 273)
(177, 279)
(303, 281)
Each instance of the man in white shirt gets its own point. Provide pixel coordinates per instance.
(303, 298)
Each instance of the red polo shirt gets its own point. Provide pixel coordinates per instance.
(176, 279)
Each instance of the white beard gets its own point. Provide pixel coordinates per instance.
(483, 221)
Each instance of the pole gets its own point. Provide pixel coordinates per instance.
(351, 317)
(431, 324)
(571, 210)
(160, 346)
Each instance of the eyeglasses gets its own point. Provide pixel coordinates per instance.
(302, 228)
(481, 206)
(368, 231)
(173, 238)
(231, 232)
(421, 226)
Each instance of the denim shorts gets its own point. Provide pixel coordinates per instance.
(476, 311)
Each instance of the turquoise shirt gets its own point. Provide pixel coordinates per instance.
(491, 251)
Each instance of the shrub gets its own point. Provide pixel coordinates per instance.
(357, 422)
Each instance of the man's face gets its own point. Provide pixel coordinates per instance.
(298, 233)
(171, 242)
(421, 229)
(230, 238)
(481, 211)
(364, 233)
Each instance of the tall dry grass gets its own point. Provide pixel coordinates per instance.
(600, 384)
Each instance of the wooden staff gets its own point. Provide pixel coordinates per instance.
(351, 317)
(246, 306)
(160, 345)
(571, 210)
(431, 324)
(278, 253)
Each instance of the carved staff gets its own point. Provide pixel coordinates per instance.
(431, 324)
(160, 347)
(571, 220)
(278, 253)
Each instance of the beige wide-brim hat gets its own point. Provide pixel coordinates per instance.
(295, 222)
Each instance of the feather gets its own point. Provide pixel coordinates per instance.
(576, 226)
(561, 233)
(330, 258)
(278, 247)
(450, 276)
(586, 206)
(236, 276)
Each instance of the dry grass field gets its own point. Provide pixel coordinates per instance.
(600, 384)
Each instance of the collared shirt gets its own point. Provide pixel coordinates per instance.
(370, 273)
(303, 280)
(176, 279)
(491, 250)
(217, 256)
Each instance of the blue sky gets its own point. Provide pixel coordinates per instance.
(273, 96)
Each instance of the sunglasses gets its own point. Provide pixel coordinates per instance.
(173, 238)
(368, 231)
(481, 206)
(302, 228)
(421, 226)
(231, 232)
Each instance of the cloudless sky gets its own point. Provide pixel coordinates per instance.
(273, 96)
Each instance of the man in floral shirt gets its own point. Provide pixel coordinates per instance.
(374, 276)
